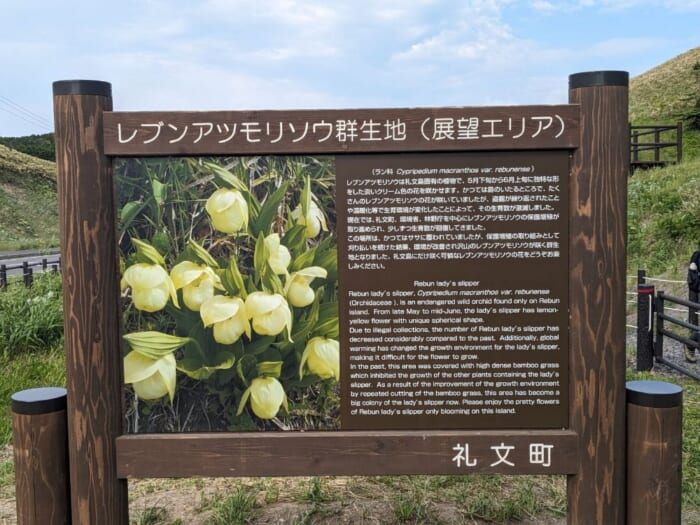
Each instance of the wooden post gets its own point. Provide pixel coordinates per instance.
(598, 222)
(659, 307)
(654, 435)
(87, 219)
(645, 323)
(39, 440)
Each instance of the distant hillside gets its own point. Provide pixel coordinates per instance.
(668, 93)
(28, 202)
(41, 146)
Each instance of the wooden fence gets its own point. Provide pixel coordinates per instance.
(648, 153)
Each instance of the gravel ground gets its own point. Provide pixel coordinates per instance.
(673, 351)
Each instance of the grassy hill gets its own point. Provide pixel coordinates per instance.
(668, 93)
(664, 204)
(28, 203)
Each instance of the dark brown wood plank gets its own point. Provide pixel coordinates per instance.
(654, 464)
(91, 301)
(41, 468)
(343, 453)
(340, 131)
(598, 211)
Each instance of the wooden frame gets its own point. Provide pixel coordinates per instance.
(591, 451)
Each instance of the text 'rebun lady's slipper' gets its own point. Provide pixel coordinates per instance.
(297, 288)
(266, 397)
(269, 312)
(228, 210)
(151, 286)
(314, 220)
(279, 254)
(322, 357)
(228, 316)
(197, 282)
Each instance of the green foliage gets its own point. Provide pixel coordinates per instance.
(412, 508)
(235, 232)
(28, 202)
(150, 516)
(667, 94)
(40, 146)
(663, 218)
(315, 491)
(31, 318)
(237, 509)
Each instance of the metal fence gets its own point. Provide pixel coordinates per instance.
(27, 268)
(659, 316)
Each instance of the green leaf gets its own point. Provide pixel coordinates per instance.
(244, 400)
(294, 239)
(303, 327)
(128, 213)
(327, 324)
(247, 369)
(261, 256)
(328, 259)
(200, 253)
(304, 260)
(270, 368)
(259, 345)
(226, 178)
(155, 344)
(271, 281)
(192, 366)
(305, 198)
(268, 211)
(147, 253)
(160, 191)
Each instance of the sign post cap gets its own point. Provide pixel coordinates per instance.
(599, 78)
(82, 87)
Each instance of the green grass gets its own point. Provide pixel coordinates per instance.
(663, 220)
(32, 318)
(236, 509)
(28, 202)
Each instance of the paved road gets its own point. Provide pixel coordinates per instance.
(33, 257)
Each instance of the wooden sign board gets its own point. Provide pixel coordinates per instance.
(476, 176)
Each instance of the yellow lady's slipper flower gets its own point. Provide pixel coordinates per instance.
(279, 254)
(228, 316)
(266, 397)
(228, 210)
(151, 378)
(297, 288)
(270, 313)
(197, 282)
(150, 286)
(314, 220)
(322, 356)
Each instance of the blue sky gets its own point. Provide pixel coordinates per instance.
(278, 54)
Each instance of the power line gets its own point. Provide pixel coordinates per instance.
(14, 109)
(26, 111)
